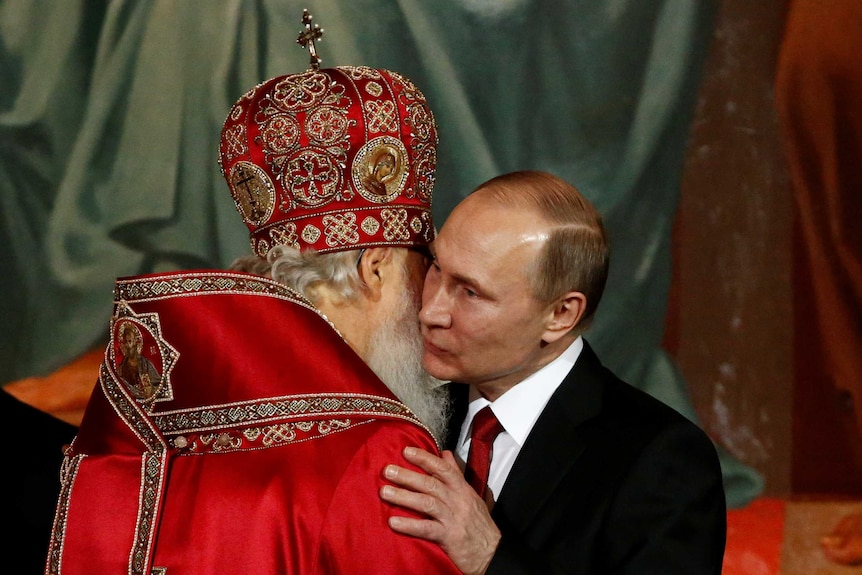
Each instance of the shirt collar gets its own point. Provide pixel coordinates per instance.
(518, 409)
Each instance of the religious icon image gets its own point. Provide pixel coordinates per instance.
(252, 192)
(379, 170)
(137, 372)
(382, 172)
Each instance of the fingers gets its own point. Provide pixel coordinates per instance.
(418, 502)
(410, 479)
(449, 458)
(421, 528)
(451, 513)
(444, 467)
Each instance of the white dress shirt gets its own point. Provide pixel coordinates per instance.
(517, 411)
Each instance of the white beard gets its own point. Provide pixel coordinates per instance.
(396, 357)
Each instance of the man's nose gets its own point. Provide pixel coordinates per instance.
(434, 312)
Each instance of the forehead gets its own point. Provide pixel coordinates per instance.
(488, 242)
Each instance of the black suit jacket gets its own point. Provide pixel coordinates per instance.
(609, 481)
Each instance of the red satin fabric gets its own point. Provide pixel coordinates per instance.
(308, 506)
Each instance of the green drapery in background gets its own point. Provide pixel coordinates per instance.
(110, 115)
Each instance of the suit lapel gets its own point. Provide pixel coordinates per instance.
(459, 402)
(553, 445)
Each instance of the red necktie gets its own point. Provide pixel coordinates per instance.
(485, 430)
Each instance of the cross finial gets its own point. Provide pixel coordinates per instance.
(307, 38)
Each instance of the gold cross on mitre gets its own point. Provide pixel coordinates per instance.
(307, 38)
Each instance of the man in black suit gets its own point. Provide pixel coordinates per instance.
(588, 475)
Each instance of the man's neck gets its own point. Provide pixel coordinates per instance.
(493, 389)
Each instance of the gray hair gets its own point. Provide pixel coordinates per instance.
(306, 271)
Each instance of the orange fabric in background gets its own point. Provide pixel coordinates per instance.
(754, 536)
(819, 102)
(818, 97)
(64, 393)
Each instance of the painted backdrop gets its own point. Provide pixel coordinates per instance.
(110, 115)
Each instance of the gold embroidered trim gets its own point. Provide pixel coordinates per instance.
(183, 284)
(256, 438)
(328, 406)
(68, 472)
(153, 466)
(130, 411)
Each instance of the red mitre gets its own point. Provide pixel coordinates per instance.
(332, 159)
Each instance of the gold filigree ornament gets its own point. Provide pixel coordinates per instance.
(380, 169)
(253, 192)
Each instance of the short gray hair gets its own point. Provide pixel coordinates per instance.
(306, 271)
(576, 256)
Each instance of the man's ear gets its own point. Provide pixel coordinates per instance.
(566, 312)
(374, 269)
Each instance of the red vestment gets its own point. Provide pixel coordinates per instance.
(260, 451)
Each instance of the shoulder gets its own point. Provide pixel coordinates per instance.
(625, 414)
(387, 436)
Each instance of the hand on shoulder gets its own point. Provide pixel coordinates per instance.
(458, 520)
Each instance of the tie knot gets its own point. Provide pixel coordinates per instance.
(486, 427)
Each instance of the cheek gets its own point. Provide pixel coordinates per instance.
(480, 333)
(499, 337)
(415, 282)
